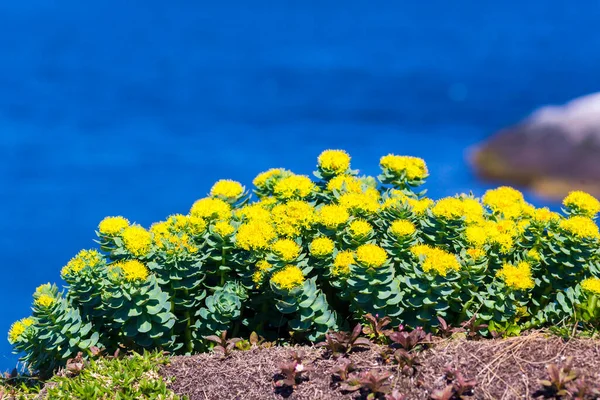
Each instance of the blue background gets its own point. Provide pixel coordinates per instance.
(135, 109)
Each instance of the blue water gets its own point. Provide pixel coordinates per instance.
(136, 108)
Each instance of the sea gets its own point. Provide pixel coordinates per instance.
(135, 108)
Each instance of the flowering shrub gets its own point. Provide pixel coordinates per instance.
(306, 257)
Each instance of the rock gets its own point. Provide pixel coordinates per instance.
(553, 151)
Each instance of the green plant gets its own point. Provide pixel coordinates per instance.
(375, 329)
(409, 341)
(457, 387)
(559, 378)
(131, 377)
(223, 345)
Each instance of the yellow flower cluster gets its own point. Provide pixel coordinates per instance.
(334, 161)
(402, 228)
(413, 167)
(294, 187)
(18, 328)
(293, 218)
(342, 262)
(211, 209)
(345, 184)
(111, 226)
(263, 179)
(360, 228)
(255, 235)
(454, 208)
(591, 285)
(131, 270)
(583, 203)
(288, 278)
(137, 240)
(361, 203)
(223, 229)
(253, 212)
(332, 216)
(475, 253)
(227, 189)
(44, 300)
(507, 201)
(286, 249)
(534, 255)
(582, 227)
(262, 267)
(371, 256)
(544, 215)
(172, 237)
(436, 259)
(517, 277)
(85, 258)
(321, 247)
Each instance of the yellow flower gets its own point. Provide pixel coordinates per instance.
(293, 218)
(174, 243)
(534, 255)
(360, 228)
(253, 212)
(440, 261)
(454, 208)
(332, 215)
(582, 227)
(286, 249)
(44, 300)
(197, 225)
(591, 285)
(131, 270)
(255, 235)
(294, 187)
(435, 259)
(334, 161)
(263, 265)
(257, 278)
(137, 240)
(85, 258)
(111, 226)
(345, 184)
(342, 262)
(544, 215)
(419, 207)
(288, 278)
(507, 201)
(321, 247)
(263, 178)
(476, 235)
(371, 255)
(211, 208)
(476, 254)
(413, 167)
(227, 189)
(43, 288)
(402, 228)
(223, 228)
(18, 328)
(517, 277)
(361, 203)
(501, 233)
(448, 208)
(582, 202)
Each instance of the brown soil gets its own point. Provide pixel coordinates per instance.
(504, 369)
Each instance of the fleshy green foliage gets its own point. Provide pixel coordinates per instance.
(311, 256)
(134, 377)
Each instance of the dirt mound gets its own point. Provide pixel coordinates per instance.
(504, 369)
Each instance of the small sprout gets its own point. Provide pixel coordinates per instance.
(222, 344)
(407, 362)
(410, 340)
(338, 343)
(446, 330)
(581, 389)
(373, 384)
(558, 379)
(73, 367)
(291, 374)
(457, 386)
(342, 370)
(376, 329)
(473, 328)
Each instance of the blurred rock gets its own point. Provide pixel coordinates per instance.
(553, 151)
